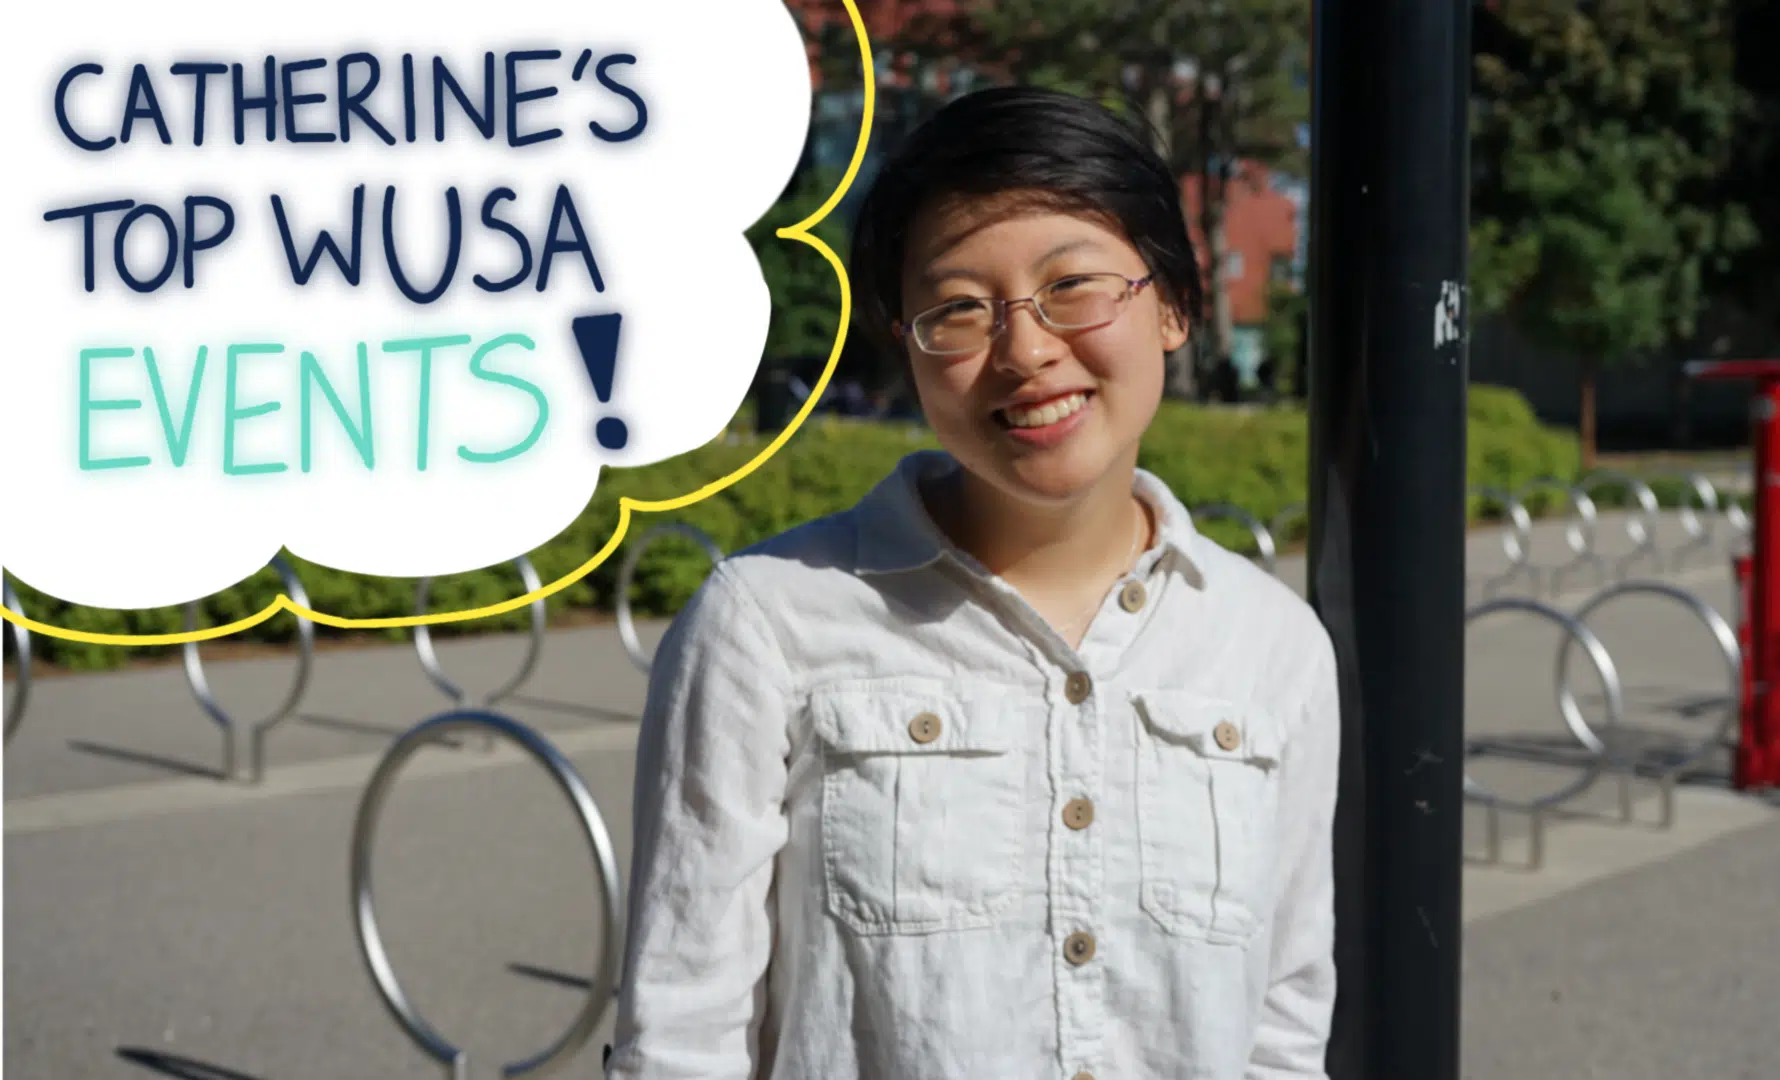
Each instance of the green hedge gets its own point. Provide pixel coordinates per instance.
(1254, 459)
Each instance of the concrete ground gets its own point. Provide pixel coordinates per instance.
(160, 922)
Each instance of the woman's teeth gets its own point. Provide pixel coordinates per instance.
(1046, 414)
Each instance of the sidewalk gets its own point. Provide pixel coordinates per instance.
(155, 914)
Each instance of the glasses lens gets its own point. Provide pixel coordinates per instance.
(956, 327)
(1087, 300)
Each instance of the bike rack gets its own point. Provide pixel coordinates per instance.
(1232, 512)
(1536, 809)
(21, 643)
(1729, 648)
(1697, 524)
(1734, 513)
(255, 770)
(1579, 534)
(627, 627)
(429, 659)
(1738, 519)
(602, 987)
(1640, 525)
(1517, 539)
(1276, 527)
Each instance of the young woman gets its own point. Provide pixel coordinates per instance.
(1004, 773)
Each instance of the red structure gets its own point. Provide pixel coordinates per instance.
(1758, 575)
(1260, 237)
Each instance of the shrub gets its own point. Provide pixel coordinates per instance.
(1252, 458)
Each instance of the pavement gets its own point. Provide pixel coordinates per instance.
(162, 922)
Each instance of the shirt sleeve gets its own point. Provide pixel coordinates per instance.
(1292, 1038)
(709, 824)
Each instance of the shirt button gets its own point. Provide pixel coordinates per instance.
(1079, 814)
(1228, 738)
(1078, 948)
(924, 728)
(1077, 687)
(1132, 596)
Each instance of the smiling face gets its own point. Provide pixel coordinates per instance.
(1042, 415)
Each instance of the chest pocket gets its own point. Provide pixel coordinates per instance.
(923, 807)
(1207, 781)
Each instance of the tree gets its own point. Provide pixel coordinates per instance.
(1288, 313)
(1601, 132)
(806, 295)
(1216, 82)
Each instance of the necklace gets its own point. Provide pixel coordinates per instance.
(1130, 558)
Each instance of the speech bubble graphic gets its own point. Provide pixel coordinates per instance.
(346, 307)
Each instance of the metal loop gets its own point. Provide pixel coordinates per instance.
(1733, 510)
(21, 644)
(1579, 532)
(1276, 527)
(1722, 632)
(1697, 524)
(1232, 512)
(1640, 524)
(440, 729)
(1517, 538)
(627, 627)
(256, 733)
(1737, 517)
(1603, 663)
(429, 659)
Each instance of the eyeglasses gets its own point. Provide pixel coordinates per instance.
(1078, 302)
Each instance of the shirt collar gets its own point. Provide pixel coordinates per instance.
(895, 533)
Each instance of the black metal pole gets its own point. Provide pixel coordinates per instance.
(1388, 372)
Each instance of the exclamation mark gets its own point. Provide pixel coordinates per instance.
(597, 337)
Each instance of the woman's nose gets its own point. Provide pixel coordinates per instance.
(1026, 343)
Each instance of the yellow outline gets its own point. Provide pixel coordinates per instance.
(626, 504)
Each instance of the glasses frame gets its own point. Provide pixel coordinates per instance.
(1133, 286)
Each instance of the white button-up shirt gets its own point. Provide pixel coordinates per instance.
(890, 825)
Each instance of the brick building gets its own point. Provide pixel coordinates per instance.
(1265, 228)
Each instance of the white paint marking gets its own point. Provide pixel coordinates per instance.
(1447, 312)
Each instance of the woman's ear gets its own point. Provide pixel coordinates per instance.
(1174, 328)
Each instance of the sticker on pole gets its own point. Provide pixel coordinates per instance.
(386, 284)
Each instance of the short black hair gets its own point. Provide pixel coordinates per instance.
(1070, 154)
